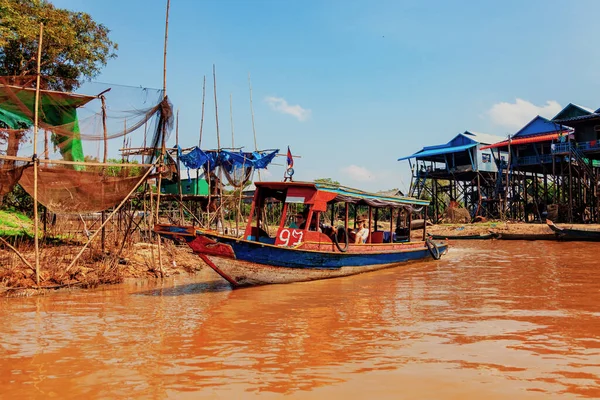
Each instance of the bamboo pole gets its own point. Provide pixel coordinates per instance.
(86, 163)
(505, 207)
(239, 204)
(231, 118)
(163, 147)
(21, 256)
(252, 114)
(108, 219)
(200, 138)
(104, 159)
(178, 169)
(35, 160)
(202, 115)
(165, 50)
(221, 218)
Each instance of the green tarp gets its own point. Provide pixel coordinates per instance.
(57, 110)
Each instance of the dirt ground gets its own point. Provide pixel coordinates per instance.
(500, 227)
(92, 269)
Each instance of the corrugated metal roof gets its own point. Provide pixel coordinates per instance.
(540, 125)
(484, 138)
(580, 118)
(443, 150)
(577, 108)
(528, 139)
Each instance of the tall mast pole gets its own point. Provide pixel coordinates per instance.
(35, 159)
(231, 119)
(219, 150)
(207, 176)
(163, 149)
(202, 115)
(252, 112)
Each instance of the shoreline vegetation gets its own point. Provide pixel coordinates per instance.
(140, 260)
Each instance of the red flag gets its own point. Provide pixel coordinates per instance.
(290, 159)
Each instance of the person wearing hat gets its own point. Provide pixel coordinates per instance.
(299, 221)
(362, 232)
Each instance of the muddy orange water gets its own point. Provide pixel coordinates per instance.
(492, 320)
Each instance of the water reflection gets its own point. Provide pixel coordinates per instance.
(503, 320)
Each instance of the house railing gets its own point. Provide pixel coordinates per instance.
(565, 148)
(533, 160)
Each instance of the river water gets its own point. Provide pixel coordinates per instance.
(491, 320)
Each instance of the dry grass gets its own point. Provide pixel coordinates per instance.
(93, 268)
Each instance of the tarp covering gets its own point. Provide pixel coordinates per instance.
(237, 166)
(211, 159)
(439, 151)
(359, 197)
(531, 139)
(57, 114)
(13, 121)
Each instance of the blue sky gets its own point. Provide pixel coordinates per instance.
(351, 86)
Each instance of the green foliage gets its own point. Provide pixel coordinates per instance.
(14, 223)
(18, 200)
(74, 46)
(327, 181)
(119, 171)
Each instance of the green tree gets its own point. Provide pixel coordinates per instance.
(75, 47)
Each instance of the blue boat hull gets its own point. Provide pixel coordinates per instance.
(246, 263)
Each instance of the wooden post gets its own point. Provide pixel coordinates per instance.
(346, 218)
(392, 224)
(507, 178)
(104, 160)
(35, 159)
(370, 223)
(424, 223)
(178, 169)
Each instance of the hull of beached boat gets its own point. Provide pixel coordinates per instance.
(567, 234)
(464, 237)
(247, 263)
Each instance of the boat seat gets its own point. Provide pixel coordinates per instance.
(377, 237)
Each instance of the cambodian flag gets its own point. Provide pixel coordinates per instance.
(290, 159)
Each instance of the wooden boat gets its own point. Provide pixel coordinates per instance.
(569, 234)
(525, 236)
(464, 237)
(303, 254)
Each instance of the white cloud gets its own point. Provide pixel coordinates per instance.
(279, 104)
(357, 173)
(519, 113)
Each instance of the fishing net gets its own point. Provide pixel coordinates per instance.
(75, 128)
(65, 190)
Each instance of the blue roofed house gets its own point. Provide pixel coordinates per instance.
(458, 170)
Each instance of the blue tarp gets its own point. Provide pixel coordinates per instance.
(439, 151)
(211, 159)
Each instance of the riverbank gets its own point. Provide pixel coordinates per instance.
(140, 260)
(485, 228)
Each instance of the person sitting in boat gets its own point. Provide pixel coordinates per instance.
(299, 221)
(361, 233)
